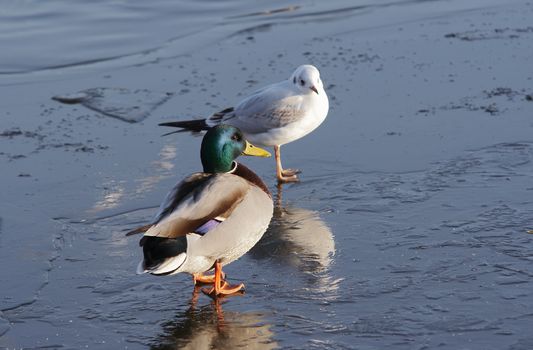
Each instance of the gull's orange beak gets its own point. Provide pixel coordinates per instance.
(314, 89)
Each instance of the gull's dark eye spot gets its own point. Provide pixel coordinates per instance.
(302, 82)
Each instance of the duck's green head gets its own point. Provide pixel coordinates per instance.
(221, 145)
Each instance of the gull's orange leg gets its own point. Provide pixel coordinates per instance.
(221, 287)
(287, 175)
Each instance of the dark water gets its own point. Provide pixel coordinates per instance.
(408, 230)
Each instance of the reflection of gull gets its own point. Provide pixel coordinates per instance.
(299, 237)
(214, 329)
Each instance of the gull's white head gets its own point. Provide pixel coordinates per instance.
(307, 79)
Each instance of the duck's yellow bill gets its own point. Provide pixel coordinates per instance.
(252, 150)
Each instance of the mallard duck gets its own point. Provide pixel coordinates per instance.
(210, 218)
(275, 115)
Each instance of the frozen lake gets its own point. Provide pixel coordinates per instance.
(407, 231)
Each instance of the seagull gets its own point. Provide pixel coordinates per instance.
(275, 115)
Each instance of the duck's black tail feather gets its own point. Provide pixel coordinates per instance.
(140, 229)
(191, 125)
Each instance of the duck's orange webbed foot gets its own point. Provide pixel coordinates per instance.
(224, 289)
(199, 278)
(220, 286)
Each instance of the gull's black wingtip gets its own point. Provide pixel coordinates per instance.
(190, 125)
(172, 124)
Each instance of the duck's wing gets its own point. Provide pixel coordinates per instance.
(178, 193)
(195, 201)
(173, 198)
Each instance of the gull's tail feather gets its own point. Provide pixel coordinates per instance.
(191, 125)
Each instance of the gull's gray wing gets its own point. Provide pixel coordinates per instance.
(272, 107)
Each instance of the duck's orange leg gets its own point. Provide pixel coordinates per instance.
(200, 278)
(221, 287)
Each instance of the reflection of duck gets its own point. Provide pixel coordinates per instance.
(297, 236)
(211, 328)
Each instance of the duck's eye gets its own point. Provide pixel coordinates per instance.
(236, 137)
(302, 82)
